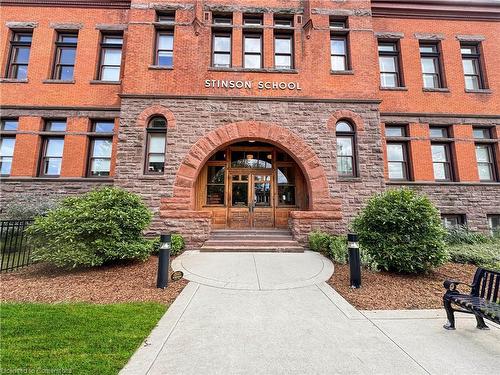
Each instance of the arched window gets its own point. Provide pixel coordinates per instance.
(346, 155)
(155, 145)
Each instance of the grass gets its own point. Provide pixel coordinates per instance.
(76, 338)
(480, 254)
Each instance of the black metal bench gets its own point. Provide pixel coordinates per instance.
(483, 300)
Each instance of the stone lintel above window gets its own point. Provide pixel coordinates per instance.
(21, 25)
(111, 27)
(471, 38)
(389, 35)
(429, 36)
(66, 26)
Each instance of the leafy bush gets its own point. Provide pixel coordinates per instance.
(336, 249)
(402, 232)
(461, 234)
(92, 229)
(27, 207)
(319, 241)
(483, 255)
(178, 244)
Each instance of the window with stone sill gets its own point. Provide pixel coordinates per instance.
(450, 221)
(494, 224)
(19, 55)
(156, 146)
(346, 153)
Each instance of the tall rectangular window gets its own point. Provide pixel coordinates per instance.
(471, 62)
(7, 145)
(101, 144)
(221, 57)
(338, 53)
(52, 152)
(155, 146)
(485, 162)
(283, 51)
(64, 63)
(441, 162)
(165, 48)
(252, 51)
(397, 161)
(19, 56)
(450, 221)
(111, 57)
(431, 65)
(221, 41)
(388, 59)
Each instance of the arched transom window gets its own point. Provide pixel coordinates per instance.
(346, 155)
(155, 145)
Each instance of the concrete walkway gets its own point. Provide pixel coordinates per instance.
(258, 313)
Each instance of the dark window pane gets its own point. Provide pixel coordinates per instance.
(239, 194)
(216, 175)
(215, 194)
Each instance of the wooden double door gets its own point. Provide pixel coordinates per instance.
(251, 202)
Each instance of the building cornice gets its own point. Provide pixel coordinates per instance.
(113, 4)
(250, 98)
(471, 10)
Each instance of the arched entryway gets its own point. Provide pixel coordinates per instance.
(251, 184)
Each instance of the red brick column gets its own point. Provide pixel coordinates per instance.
(75, 148)
(237, 47)
(465, 153)
(420, 152)
(268, 41)
(27, 148)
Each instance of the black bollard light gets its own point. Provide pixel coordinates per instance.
(163, 260)
(354, 260)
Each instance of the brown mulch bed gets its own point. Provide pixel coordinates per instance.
(128, 282)
(388, 291)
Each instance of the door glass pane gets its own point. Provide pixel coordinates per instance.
(286, 195)
(215, 194)
(240, 194)
(262, 191)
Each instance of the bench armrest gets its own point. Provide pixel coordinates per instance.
(451, 285)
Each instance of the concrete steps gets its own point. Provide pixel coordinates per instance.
(252, 240)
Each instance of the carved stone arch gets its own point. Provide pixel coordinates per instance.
(184, 185)
(156, 110)
(347, 115)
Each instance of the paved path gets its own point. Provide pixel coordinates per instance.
(255, 313)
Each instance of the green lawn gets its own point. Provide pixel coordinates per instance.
(73, 338)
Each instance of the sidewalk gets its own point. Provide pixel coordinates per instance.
(239, 318)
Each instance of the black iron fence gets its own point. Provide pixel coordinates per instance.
(15, 249)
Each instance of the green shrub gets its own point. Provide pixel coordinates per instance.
(27, 207)
(319, 241)
(336, 249)
(178, 244)
(462, 235)
(483, 255)
(402, 232)
(92, 229)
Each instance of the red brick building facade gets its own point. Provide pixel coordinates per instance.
(253, 113)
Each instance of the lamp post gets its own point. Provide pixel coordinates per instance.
(163, 260)
(354, 260)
